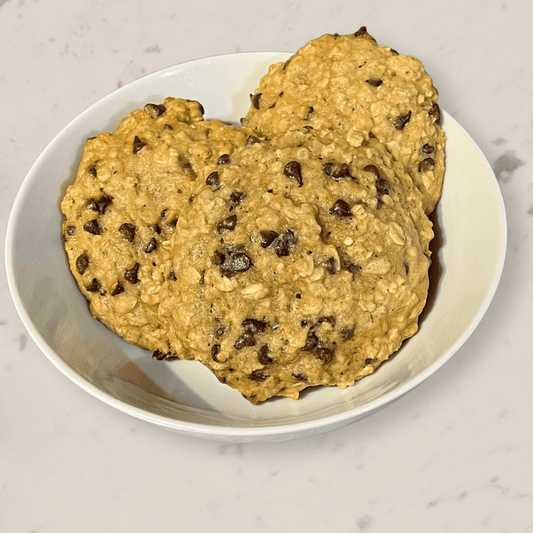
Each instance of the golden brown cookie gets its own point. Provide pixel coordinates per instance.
(299, 265)
(121, 211)
(349, 84)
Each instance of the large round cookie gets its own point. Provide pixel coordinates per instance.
(296, 265)
(121, 211)
(349, 84)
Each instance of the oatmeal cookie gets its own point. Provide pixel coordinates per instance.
(348, 83)
(120, 213)
(296, 264)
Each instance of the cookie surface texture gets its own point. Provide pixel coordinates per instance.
(348, 83)
(123, 207)
(299, 266)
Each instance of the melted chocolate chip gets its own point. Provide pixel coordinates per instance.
(256, 99)
(94, 286)
(224, 159)
(92, 227)
(268, 237)
(232, 262)
(155, 110)
(228, 224)
(258, 375)
(401, 121)
(246, 339)
(128, 231)
(263, 356)
(426, 165)
(213, 180)
(347, 333)
(341, 209)
(171, 275)
(329, 265)
(119, 289)
(343, 171)
(151, 246)
(284, 244)
(293, 170)
(435, 112)
(99, 204)
(236, 199)
(138, 145)
(254, 326)
(310, 113)
(159, 355)
(215, 350)
(374, 82)
(321, 351)
(131, 274)
(82, 263)
(92, 171)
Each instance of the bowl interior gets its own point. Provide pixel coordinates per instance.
(182, 395)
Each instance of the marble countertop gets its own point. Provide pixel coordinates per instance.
(455, 454)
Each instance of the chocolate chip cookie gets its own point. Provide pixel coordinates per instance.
(349, 84)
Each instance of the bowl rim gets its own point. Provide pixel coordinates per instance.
(283, 431)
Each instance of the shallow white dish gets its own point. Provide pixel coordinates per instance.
(183, 396)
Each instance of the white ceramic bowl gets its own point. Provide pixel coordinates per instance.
(183, 396)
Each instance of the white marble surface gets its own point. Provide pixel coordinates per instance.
(456, 454)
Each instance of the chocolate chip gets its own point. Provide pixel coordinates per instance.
(374, 82)
(321, 351)
(92, 171)
(159, 355)
(228, 224)
(254, 326)
(251, 140)
(258, 375)
(94, 286)
(298, 376)
(263, 356)
(138, 145)
(373, 169)
(435, 112)
(327, 319)
(232, 262)
(382, 187)
(329, 265)
(92, 227)
(131, 274)
(82, 263)
(361, 32)
(293, 170)
(347, 333)
(343, 171)
(151, 246)
(128, 231)
(156, 228)
(310, 112)
(426, 165)
(119, 289)
(99, 204)
(284, 244)
(215, 350)
(155, 110)
(171, 275)
(341, 209)
(267, 237)
(256, 99)
(401, 121)
(221, 330)
(224, 159)
(213, 180)
(70, 230)
(427, 149)
(311, 342)
(370, 361)
(246, 339)
(406, 266)
(164, 213)
(236, 199)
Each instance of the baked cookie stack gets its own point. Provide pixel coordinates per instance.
(287, 253)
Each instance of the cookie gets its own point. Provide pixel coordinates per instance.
(299, 266)
(349, 84)
(120, 213)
